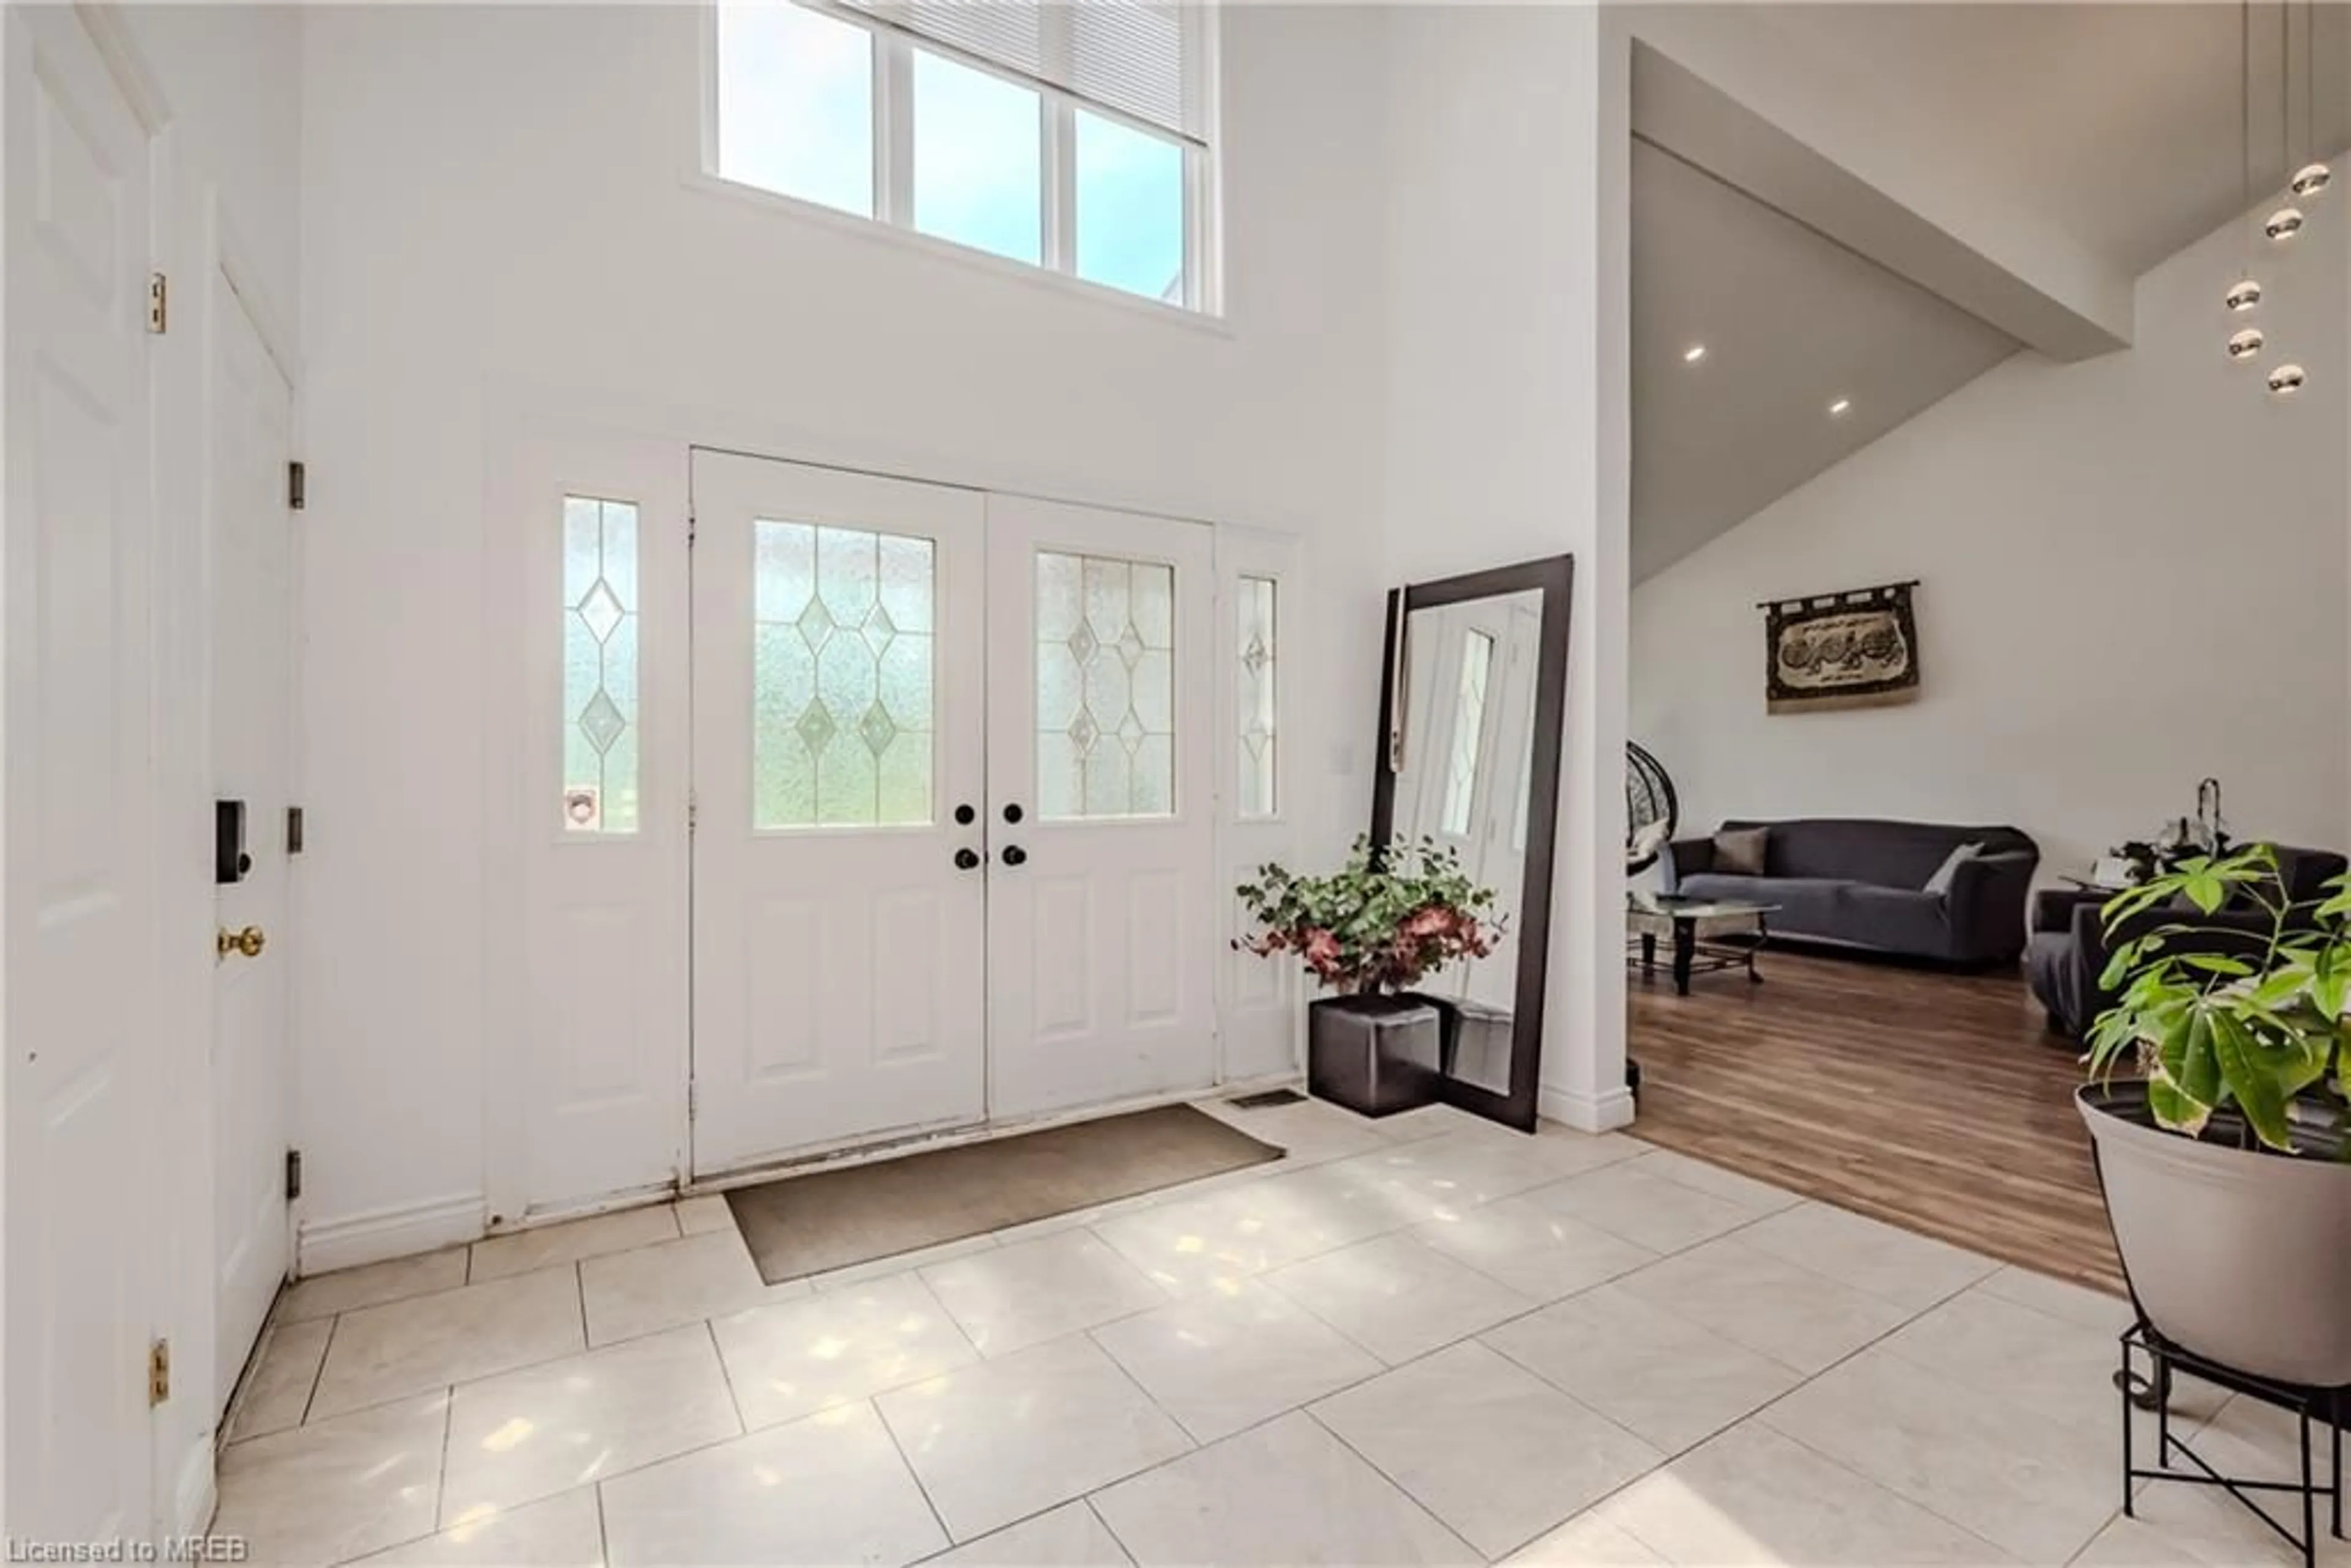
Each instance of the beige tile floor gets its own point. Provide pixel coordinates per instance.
(1422, 1340)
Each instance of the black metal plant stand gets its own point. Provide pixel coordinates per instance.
(2152, 1390)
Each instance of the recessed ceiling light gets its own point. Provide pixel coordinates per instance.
(1840, 408)
(1694, 353)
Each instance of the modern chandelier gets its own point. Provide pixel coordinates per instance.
(2245, 343)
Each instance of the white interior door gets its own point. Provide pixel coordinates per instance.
(249, 438)
(1100, 765)
(839, 975)
(82, 1057)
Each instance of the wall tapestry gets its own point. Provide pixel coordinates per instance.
(1856, 649)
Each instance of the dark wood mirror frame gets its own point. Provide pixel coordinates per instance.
(1555, 577)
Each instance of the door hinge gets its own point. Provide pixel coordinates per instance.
(297, 478)
(691, 528)
(692, 811)
(693, 1099)
(159, 1372)
(292, 1175)
(293, 830)
(159, 302)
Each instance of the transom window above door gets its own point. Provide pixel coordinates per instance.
(1068, 135)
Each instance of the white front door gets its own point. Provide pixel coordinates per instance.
(840, 893)
(82, 1055)
(248, 410)
(1101, 920)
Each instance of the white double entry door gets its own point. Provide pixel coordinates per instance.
(953, 827)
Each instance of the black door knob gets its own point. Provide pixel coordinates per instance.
(963, 815)
(1015, 855)
(1012, 812)
(966, 859)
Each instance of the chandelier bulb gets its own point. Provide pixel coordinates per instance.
(2244, 295)
(2283, 224)
(2311, 179)
(2286, 380)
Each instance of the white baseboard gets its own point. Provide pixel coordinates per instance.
(1583, 1112)
(324, 1245)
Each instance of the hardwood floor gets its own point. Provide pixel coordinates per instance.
(1931, 1100)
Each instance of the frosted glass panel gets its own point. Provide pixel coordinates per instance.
(1253, 710)
(842, 694)
(1105, 687)
(1468, 729)
(600, 665)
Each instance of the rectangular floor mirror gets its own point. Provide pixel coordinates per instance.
(1472, 703)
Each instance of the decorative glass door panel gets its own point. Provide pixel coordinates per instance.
(839, 903)
(1101, 931)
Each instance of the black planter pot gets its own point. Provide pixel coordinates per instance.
(1375, 1055)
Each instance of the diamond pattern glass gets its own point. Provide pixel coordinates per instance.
(841, 676)
(1105, 687)
(600, 665)
(1469, 731)
(1253, 709)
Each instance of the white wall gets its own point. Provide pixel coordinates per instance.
(498, 225)
(2133, 575)
(1508, 230)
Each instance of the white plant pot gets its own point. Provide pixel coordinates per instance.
(2238, 1257)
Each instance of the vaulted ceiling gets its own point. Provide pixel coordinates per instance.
(2119, 126)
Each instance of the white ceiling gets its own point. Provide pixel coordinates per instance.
(1790, 323)
(2118, 123)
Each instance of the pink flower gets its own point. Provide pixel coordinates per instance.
(1433, 921)
(1322, 950)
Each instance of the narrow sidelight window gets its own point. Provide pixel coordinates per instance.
(1254, 711)
(600, 665)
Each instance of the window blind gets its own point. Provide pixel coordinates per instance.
(1138, 58)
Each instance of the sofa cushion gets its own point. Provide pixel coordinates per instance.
(1898, 919)
(1939, 884)
(1741, 851)
(1799, 905)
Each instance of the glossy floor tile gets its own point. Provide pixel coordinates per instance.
(706, 1275)
(1539, 1254)
(1010, 1297)
(1754, 1497)
(405, 1347)
(1808, 1321)
(1397, 1297)
(566, 1530)
(1420, 1339)
(830, 1487)
(277, 1393)
(997, 1442)
(1670, 1382)
(1227, 1360)
(2038, 1489)
(837, 1347)
(1286, 1492)
(1494, 1451)
(1910, 1271)
(547, 1428)
(572, 1240)
(336, 1490)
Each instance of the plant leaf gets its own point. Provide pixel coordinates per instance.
(2254, 1082)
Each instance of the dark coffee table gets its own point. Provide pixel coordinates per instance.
(1737, 931)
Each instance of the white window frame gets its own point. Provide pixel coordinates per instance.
(893, 160)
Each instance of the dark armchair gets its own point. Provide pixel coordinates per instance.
(2070, 944)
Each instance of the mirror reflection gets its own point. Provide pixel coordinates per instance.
(1466, 758)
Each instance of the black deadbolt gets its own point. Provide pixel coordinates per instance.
(1012, 814)
(963, 814)
(966, 859)
(1014, 854)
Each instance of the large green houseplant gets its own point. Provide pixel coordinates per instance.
(2218, 1102)
(1369, 932)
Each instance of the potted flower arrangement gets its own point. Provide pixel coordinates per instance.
(2224, 1163)
(1368, 933)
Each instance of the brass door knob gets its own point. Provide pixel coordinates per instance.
(249, 942)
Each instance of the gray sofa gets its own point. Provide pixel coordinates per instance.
(1861, 883)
